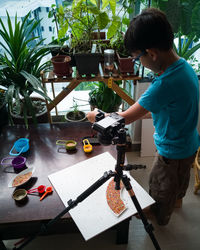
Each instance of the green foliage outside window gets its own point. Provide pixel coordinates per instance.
(184, 18)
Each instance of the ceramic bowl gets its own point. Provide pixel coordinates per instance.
(19, 194)
(70, 145)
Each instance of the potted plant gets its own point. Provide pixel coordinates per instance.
(75, 115)
(82, 24)
(62, 59)
(104, 98)
(125, 61)
(3, 109)
(83, 19)
(58, 45)
(87, 60)
(61, 65)
(39, 109)
(88, 16)
(20, 66)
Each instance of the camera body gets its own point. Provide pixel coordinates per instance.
(108, 127)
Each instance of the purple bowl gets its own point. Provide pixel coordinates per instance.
(18, 162)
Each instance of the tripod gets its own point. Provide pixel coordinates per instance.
(120, 141)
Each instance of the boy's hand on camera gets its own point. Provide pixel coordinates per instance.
(91, 115)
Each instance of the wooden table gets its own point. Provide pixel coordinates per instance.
(21, 220)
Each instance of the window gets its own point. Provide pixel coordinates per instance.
(42, 28)
(47, 9)
(39, 9)
(50, 28)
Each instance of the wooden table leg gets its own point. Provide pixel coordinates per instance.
(122, 232)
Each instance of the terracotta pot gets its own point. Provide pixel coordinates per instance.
(126, 65)
(56, 51)
(61, 65)
(95, 35)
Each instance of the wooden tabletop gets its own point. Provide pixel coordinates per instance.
(46, 157)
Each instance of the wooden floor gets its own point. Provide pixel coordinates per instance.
(182, 233)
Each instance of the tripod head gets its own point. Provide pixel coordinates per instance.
(110, 128)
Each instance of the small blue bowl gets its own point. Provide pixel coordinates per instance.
(20, 146)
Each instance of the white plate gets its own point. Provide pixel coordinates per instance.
(26, 171)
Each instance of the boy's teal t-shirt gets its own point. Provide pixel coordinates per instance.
(173, 99)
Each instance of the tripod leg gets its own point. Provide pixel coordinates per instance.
(148, 227)
(72, 204)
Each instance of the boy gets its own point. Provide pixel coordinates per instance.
(172, 99)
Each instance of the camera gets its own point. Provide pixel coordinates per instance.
(108, 127)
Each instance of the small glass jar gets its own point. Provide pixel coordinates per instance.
(109, 55)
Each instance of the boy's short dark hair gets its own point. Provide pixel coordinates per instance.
(150, 29)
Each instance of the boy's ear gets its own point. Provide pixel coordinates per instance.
(153, 53)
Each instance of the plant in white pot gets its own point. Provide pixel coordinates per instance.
(3, 109)
(75, 115)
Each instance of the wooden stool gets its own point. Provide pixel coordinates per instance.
(196, 166)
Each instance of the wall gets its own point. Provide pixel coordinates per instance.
(148, 147)
(136, 126)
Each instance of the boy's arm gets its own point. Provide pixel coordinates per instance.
(146, 116)
(135, 112)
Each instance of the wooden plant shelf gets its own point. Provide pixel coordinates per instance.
(76, 79)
